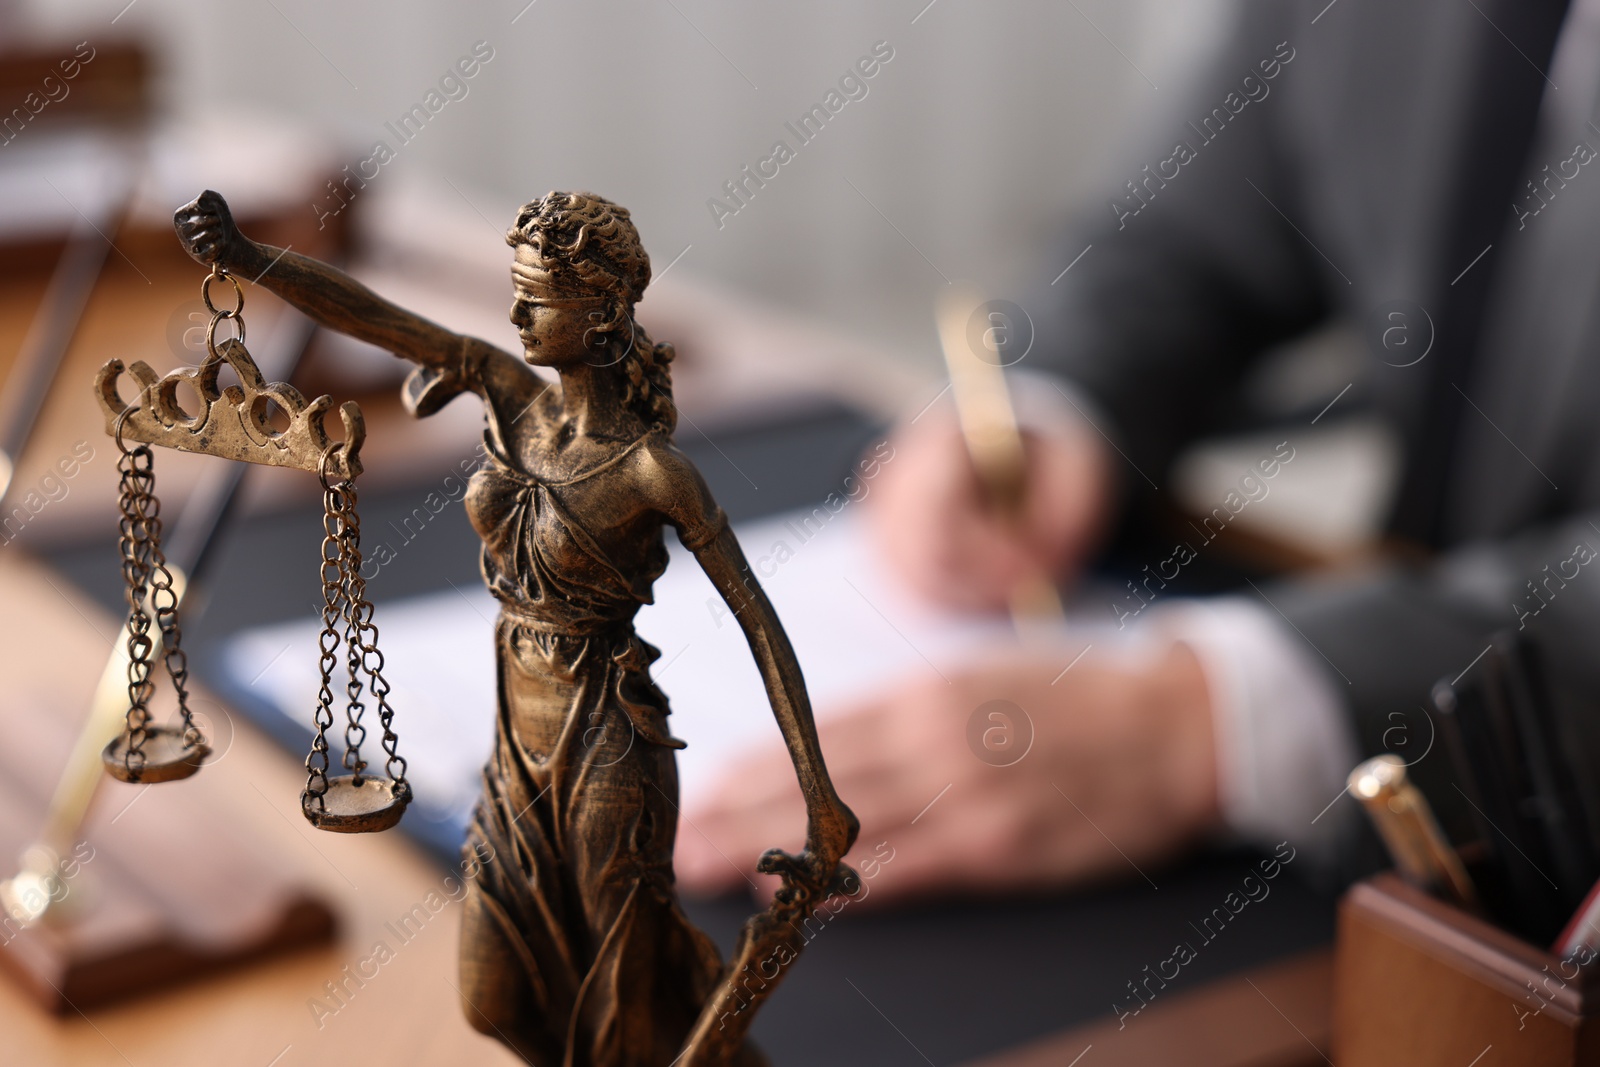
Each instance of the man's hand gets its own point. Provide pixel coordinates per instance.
(1120, 774)
(935, 528)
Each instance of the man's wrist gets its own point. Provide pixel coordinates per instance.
(1181, 699)
(1282, 740)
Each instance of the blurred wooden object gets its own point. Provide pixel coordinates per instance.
(50, 335)
(114, 84)
(403, 1011)
(106, 97)
(112, 98)
(1272, 1016)
(1419, 982)
(108, 102)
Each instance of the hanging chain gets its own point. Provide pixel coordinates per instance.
(360, 612)
(333, 594)
(347, 619)
(350, 533)
(147, 581)
(148, 585)
(134, 499)
(164, 598)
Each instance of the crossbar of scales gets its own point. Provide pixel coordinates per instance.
(233, 422)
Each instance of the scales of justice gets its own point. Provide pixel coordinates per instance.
(574, 949)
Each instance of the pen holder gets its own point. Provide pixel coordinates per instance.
(1419, 982)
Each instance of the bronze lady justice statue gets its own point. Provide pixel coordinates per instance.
(575, 951)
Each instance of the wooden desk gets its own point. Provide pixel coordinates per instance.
(54, 642)
(1272, 1016)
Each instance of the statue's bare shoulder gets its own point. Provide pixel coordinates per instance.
(672, 485)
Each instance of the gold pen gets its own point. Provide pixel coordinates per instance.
(1406, 823)
(994, 440)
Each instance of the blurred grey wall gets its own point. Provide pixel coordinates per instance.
(989, 123)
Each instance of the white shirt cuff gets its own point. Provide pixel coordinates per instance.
(1284, 742)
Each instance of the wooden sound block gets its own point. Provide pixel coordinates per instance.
(164, 884)
(144, 909)
(168, 894)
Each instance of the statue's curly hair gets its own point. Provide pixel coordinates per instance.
(587, 242)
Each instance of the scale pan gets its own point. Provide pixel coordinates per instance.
(167, 756)
(357, 805)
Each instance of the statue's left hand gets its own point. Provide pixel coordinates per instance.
(812, 875)
(819, 867)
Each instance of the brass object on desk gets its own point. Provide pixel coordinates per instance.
(574, 946)
(1406, 823)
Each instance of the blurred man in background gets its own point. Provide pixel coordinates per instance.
(1379, 158)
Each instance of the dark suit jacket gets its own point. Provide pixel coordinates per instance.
(1378, 161)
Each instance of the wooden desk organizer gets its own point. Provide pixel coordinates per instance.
(1418, 982)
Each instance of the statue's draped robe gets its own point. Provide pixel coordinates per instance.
(580, 797)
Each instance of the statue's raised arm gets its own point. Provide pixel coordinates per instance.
(329, 296)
